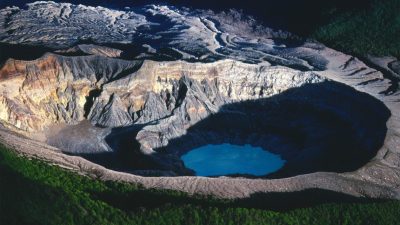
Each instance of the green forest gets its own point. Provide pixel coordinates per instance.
(374, 30)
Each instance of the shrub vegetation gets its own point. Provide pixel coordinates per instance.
(374, 30)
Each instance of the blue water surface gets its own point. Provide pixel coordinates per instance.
(226, 159)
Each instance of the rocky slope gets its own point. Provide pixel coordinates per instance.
(154, 32)
(53, 88)
(194, 79)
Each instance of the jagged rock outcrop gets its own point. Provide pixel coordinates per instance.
(54, 88)
(113, 114)
(154, 108)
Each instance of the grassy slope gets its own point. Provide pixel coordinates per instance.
(375, 30)
(32, 192)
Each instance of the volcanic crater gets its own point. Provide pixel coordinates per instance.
(140, 117)
(133, 91)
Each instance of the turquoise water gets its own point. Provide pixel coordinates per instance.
(225, 159)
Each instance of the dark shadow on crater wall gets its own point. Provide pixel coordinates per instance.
(90, 100)
(316, 127)
(125, 155)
